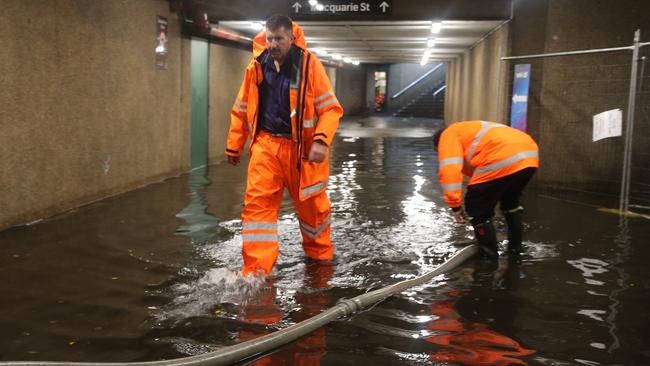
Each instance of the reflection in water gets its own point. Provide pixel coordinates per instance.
(591, 268)
(469, 343)
(421, 215)
(384, 201)
(427, 327)
(309, 301)
(199, 224)
(624, 243)
(341, 189)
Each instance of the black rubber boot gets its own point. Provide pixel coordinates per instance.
(514, 220)
(486, 238)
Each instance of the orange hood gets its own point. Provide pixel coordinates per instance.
(259, 42)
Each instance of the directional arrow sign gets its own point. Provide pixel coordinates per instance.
(342, 8)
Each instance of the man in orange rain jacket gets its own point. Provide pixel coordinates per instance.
(500, 161)
(287, 107)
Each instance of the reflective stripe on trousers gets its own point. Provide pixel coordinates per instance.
(271, 169)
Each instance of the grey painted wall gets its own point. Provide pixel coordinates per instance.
(351, 88)
(227, 68)
(476, 81)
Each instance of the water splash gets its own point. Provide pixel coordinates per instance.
(216, 286)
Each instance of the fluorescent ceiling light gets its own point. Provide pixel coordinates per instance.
(431, 43)
(436, 27)
(337, 56)
(355, 62)
(425, 57)
(257, 26)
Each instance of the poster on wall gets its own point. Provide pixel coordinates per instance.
(608, 124)
(519, 106)
(161, 43)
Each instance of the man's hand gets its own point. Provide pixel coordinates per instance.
(318, 152)
(233, 160)
(459, 215)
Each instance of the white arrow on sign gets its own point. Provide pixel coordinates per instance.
(383, 6)
(296, 6)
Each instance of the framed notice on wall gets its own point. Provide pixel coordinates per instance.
(519, 106)
(161, 43)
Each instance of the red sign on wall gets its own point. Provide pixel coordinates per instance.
(161, 43)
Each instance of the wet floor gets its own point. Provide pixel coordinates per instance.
(152, 274)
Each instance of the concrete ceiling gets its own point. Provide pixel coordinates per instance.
(386, 41)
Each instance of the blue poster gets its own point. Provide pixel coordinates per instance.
(519, 106)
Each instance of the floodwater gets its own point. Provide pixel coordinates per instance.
(152, 274)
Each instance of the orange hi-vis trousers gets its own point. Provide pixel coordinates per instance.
(272, 167)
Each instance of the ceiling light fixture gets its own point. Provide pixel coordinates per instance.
(425, 57)
(436, 27)
(257, 26)
(431, 42)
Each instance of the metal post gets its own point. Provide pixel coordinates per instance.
(629, 130)
(499, 86)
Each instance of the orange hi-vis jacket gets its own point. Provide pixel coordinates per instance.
(315, 111)
(483, 151)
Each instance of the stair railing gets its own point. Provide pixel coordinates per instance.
(417, 81)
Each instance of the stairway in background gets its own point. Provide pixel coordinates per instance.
(425, 105)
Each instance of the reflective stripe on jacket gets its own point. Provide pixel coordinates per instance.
(315, 111)
(484, 151)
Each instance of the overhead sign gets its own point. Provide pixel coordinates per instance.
(341, 7)
(367, 10)
(608, 124)
(519, 106)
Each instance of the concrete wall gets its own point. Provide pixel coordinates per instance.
(567, 91)
(351, 88)
(227, 68)
(85, 112)
(476, 81)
